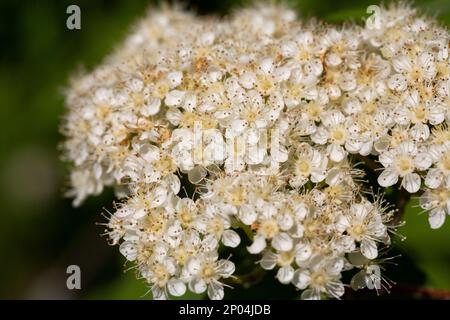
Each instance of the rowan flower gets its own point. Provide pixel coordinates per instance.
(260, 124)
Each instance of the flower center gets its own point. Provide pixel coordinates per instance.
(319, 279)
(303, 167)
(181, 256)
(338, 135)
(208, 272)
(268, 228)
(419, 115)
(216, 226)
(357, 231)
(285, 258)
(161, 276)
(404, 165)
(238, 196)
(445, 163)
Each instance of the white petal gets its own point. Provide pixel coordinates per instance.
(175, 78)
(335, 289)
(337, 152)
(301, 279)
(388, 178)
(258, 245)
(402, 64)
(302, 253)
(402, 115)
(197, 174)
(434, 178)
(411, 182)
(269, 260)
(310, 294)
(174, 183)
(342, 224)
(226, 268)
(151, 108)
(174, 229)
(158, 293)
(159, 197)
(426, 62)
(239, 126)
(359, 280)
(360, 211)
(436, 218)
(285, 221)
(215, 291)
(247, 80)
(247, 214)
(128, 250)
(176, 287)
(190, 102)
(230, 238)
(386, 158)
(174, 98)
(285, 274)
(335, 266)
(282, 242)
(123, 212)
(174, 116)
(422, 161)
(369, 249)
(266, 65)
(197, 285)
(193, 265)
(397, 82)
(419, 132)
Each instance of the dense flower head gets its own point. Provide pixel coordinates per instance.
(265, 116)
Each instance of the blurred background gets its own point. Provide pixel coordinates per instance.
(41, 234)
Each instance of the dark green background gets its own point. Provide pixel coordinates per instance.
(41, 234)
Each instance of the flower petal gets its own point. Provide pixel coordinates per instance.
(258, 245)
(436, 218)
(285, 274)
(197, 285)
(369, 249)
(176, 287)
(301, 279)
(230, 238)
(388, 178)
(282, 242)
(411, 182)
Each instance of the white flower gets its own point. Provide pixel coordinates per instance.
(439, 174)
(322, 277)
(334, 130)
(418, 113)
(420, 68)
(272, 123)
(203, 273)
(84, 183)
(216, 221)
(175, 78)
(284, 260)
(401, 162)
(309, 164)
(437, 202)
(174, 98)
(364, 224)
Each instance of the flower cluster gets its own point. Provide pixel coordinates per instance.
(266, 117)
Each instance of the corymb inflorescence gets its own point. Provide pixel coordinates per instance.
(264, 126)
